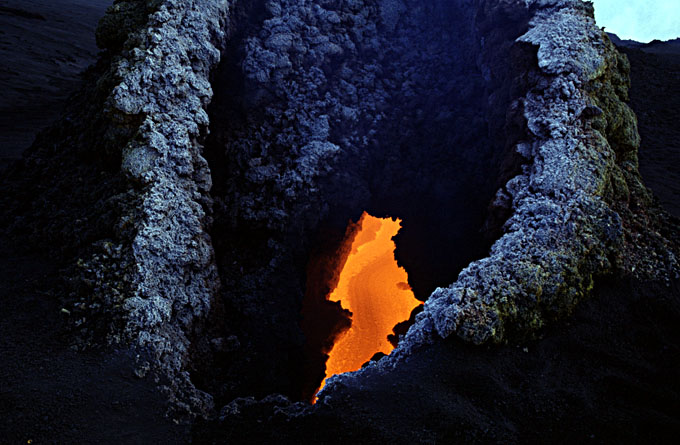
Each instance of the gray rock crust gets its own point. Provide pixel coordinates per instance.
(171, 280)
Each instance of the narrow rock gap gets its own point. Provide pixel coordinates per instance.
(321, 112)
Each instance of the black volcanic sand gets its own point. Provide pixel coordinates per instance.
(44, 45)
(52, 394)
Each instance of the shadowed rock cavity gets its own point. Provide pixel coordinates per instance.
(323, 110)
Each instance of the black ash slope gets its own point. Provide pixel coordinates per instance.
(50, 393)
(608, 375)
(655, 82)
(44, 45)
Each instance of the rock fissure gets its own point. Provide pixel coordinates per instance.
(337, 112)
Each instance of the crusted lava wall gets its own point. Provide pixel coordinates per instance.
(164, 83)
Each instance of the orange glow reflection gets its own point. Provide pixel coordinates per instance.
(375, 290)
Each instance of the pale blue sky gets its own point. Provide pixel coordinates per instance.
(641, 20)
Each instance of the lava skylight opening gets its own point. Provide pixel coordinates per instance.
(375, 290)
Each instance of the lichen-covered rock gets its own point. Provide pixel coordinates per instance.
(563, 230)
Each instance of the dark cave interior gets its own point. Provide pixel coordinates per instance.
(402, 114)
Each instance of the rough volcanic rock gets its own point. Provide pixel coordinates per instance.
(144, 276)
(164, 85)
(452, 115)
(564, 229)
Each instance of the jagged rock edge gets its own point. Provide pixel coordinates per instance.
(164, 79)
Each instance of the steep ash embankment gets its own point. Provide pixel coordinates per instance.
(199, 251)
(45, 46)
(655, 78)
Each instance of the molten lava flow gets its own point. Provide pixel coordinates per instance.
(375, 290)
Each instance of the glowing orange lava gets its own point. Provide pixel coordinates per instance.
(375, 289)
